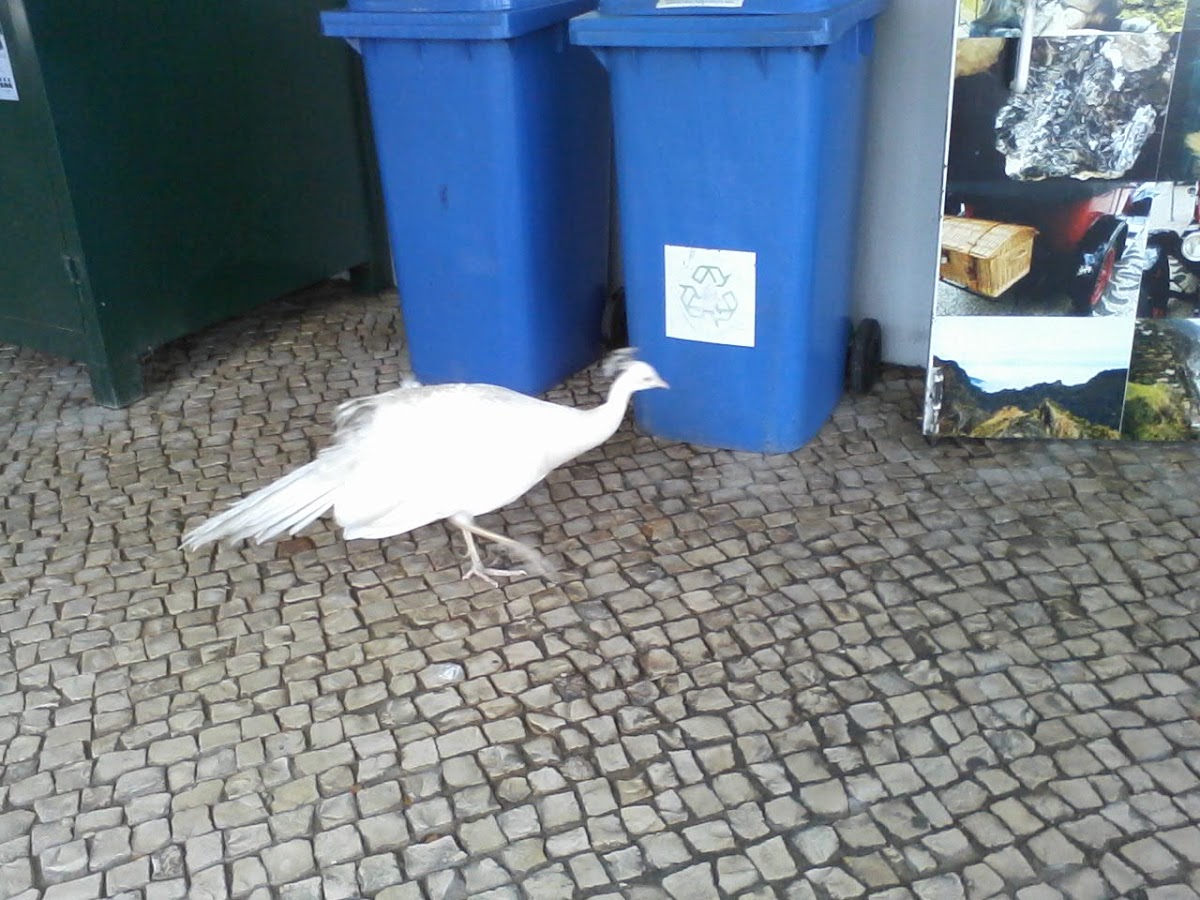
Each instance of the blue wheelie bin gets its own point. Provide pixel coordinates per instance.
(493, 135)
(739, 137)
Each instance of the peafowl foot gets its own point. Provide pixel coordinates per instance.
(477, 568)
(490, 575)
(534, 561)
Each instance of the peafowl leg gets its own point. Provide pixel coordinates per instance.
(477, 564)
(470, 530)
(479, 569)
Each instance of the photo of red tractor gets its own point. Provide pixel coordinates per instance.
(1082, 228)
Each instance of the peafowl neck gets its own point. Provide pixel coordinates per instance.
(612, 410)
(598, 424)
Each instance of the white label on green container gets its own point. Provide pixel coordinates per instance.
(680, 4)
(710, 295)
(8, 84)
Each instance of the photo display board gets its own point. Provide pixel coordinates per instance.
(1067, 303)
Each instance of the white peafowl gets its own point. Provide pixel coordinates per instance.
(417, 454)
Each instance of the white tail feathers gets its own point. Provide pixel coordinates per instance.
(283, 507)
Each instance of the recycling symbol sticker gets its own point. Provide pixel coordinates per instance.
(706, 295)
(710, 295)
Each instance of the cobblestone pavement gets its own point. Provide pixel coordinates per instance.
(873, 668)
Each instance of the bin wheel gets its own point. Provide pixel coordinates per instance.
(614, 328)
(866, 356)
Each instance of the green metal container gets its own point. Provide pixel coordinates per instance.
(167, 165)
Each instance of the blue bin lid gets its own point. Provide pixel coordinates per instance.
(762, 26)
(833, 8)
(445, 6)
(447, 20)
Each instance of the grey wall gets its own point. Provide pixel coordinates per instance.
(901, 211)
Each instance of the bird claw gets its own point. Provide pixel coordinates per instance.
(486, 574)
(481, 575)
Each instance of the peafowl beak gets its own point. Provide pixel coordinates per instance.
(658, 382)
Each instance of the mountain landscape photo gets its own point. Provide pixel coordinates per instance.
(1091, 410)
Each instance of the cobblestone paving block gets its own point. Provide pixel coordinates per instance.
(875, 667)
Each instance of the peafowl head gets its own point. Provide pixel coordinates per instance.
(636, 376)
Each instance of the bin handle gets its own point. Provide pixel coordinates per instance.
(1024, 50)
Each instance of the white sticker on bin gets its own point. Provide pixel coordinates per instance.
(8, 84)
(710, 295)
(681, 4)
